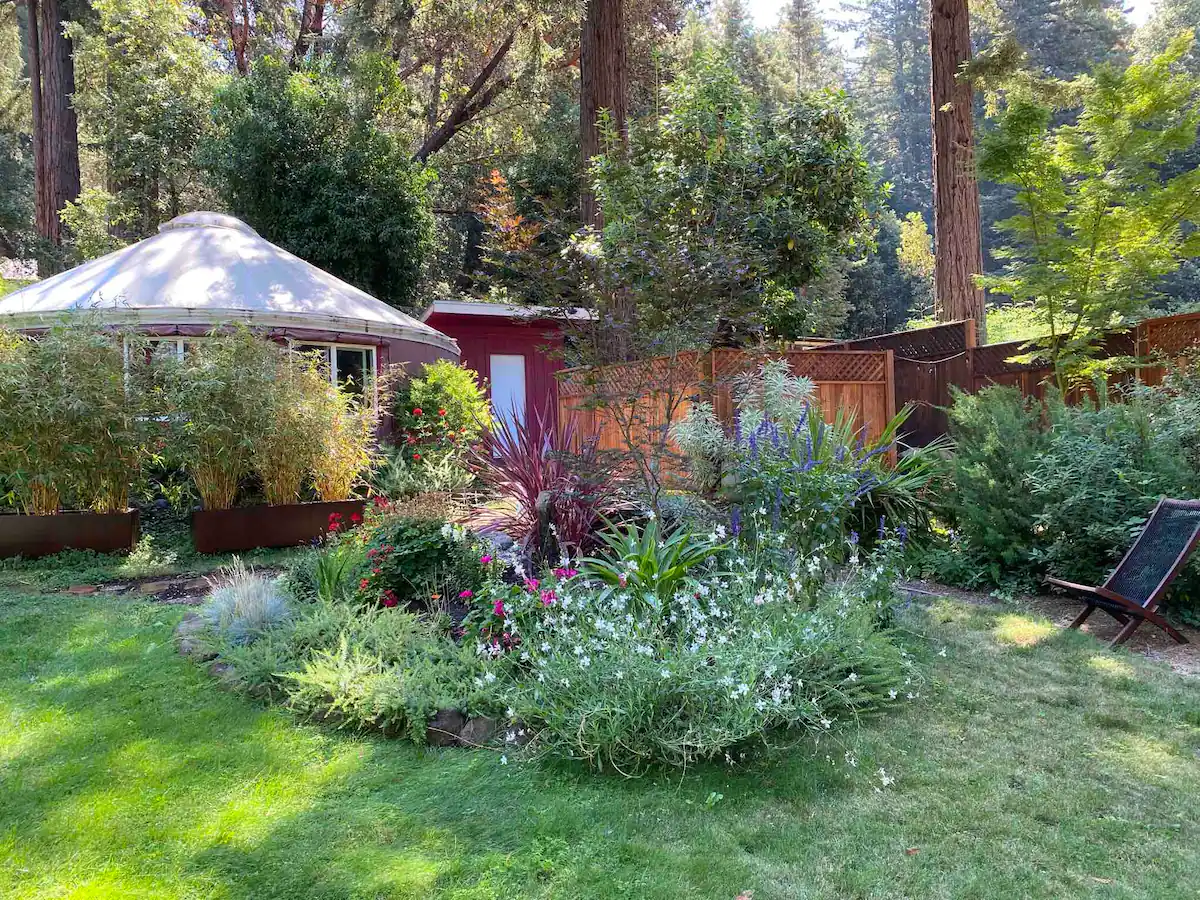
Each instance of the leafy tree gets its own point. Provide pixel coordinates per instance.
(303, 158)
(887, 285)
(719, 206)
(144, 87)
(1098, 223)
(1062, 38)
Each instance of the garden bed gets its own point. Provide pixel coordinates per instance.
(35, 536)
(252, 527)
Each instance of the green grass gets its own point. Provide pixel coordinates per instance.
(1035, 764)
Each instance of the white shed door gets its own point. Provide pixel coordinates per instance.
(508, 388)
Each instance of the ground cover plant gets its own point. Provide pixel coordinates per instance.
(1029, 761)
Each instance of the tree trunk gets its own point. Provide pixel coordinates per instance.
(55, 128)
(312, 27)
(41, 173)
(603, 85)
(959, 249)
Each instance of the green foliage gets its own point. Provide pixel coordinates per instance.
(303, 157)
(719, 204)
(144, 86)
(438, 414)
(723, 661)
(95, 221)
(1097, 224)
(421, 562)
(399, 476)
(1065, 490)
(997, 437)
(73, 427)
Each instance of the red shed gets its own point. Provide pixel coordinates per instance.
(516, 350)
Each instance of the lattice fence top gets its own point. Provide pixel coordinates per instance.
(935, 342)
(1171, 335)
(859, 366)
(634, 378)
(993, 359)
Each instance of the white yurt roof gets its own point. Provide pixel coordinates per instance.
(206, 268)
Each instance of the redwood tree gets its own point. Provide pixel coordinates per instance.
(55, 129)
(959, 250)
(603, 86)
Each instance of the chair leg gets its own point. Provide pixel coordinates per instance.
(1165, 626)
(1082, 617)
(1126, 633)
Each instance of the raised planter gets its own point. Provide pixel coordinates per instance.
(34, 536)
(252, 527)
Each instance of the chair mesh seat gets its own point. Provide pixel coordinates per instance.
(1168, 533)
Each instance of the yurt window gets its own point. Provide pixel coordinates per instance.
(351, 367)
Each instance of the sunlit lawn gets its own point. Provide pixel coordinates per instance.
(1035, 764)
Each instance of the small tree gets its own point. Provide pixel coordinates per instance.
(1098, 222)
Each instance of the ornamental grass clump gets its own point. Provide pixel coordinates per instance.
(348, 448)
(219, 398)
(293, 434)
(73, 424)
(244, 606)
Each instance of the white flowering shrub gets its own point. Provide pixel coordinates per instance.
(736, 655)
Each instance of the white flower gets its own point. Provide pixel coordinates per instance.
(651, 515)
(665, 673)
(511, 713)
(478, 682)
(489, 677)
(942, 652)
(825, 723)
(720, 529)
(619, 675)
(892, 694)
(885, 779)
(853, 676)
(585, 661)
(504, 760)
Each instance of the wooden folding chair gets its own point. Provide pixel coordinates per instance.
(1132, 592)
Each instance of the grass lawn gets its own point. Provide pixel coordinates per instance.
(1035, 764)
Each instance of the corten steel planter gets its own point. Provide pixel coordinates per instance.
(252, 527)
(34, 536)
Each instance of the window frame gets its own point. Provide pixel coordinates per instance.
(372, 367)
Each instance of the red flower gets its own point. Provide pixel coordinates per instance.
(364, 584)
(411, 439)
(441, 412)
(416, 456)
(355, 518)
(418, 411)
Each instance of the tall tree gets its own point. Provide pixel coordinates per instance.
(51, 69)
(808, 51)
(891, 93)
(603, 89)
(1062, 38)
(959, 247)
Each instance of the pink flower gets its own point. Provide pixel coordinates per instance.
(563, 573)
(466, 595)
(622, 580)
(531, 584)
(364, 584)
(498, 608)
(548, 597)
(485, 559)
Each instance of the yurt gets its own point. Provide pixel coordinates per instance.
(203, 270)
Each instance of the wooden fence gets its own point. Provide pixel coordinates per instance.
(630, 407)
(930, 361)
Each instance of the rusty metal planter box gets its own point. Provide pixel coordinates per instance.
(252, 527)
(34, 536)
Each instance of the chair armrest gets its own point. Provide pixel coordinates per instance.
(1070, 586)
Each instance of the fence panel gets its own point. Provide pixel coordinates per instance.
(630, 407)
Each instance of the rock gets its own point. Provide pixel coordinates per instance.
(498, 539)
(195, 584)
(444, 727)
(114, 588)
(187, 633)
(81, 590)
(222, 671)
(154, 587)
(477, 732)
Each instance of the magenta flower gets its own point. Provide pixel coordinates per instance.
(548, 597)
(498, 608)
(465, 595)
(485, 559)
(531, 584)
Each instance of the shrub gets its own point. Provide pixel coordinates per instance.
(219, 396)
(72, 424)
(997, 437)
(399, 475)
(287, 448)
(442, 410)
(348, 449)
(244, 606)
(558, 496)
(417, 561)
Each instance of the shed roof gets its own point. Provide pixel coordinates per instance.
(211, 268)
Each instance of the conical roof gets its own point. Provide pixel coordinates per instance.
(209, 268)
